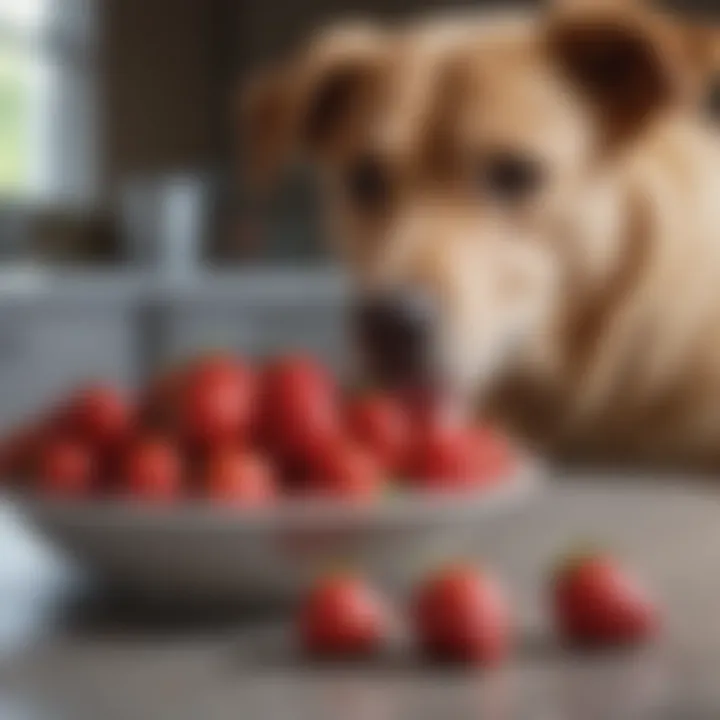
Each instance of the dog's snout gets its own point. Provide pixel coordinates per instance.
(396, 335)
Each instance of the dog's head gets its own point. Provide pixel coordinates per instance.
(450, 153)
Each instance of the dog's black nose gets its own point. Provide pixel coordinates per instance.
(396, 335)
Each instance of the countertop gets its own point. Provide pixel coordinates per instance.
(91, 658)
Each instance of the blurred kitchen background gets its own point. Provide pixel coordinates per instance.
(125, 238)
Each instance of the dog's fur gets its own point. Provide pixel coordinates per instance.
(586, 315)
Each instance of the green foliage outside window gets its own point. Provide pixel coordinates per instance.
(14, 124)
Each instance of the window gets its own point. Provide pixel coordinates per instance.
(47, 107)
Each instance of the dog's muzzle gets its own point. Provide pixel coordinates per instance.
(396, 334)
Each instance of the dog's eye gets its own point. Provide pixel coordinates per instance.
(367, 184)
(510, 177)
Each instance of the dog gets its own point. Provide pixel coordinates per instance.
(529, 204)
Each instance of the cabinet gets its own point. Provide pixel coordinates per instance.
(120, 328)
(45, 350)
(259, 316)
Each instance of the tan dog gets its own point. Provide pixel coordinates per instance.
(549, 182)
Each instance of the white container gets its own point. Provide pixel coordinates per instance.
(165, 222)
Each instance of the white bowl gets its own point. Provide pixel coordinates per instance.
(200, 552)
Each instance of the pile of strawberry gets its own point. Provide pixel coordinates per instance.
(463, 615)
(224, 430)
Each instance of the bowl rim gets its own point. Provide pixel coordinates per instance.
(413, 507)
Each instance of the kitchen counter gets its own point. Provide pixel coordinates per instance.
(101, 660)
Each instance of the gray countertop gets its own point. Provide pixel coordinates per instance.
(105, 660)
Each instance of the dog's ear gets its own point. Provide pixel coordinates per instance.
(630, 62)
(299, 107)
(701, 43)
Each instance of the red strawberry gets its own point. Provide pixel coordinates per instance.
(65, 469)
(153, 471)
(161, 402)
(98, 414)
(380, 423)
(462, 615)
(218, 404)
(494, 455)
(346, 472)
(597, 603)
(240, 479)
(343, 617)
(444, 458)
(300, 411)
(19, 452)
